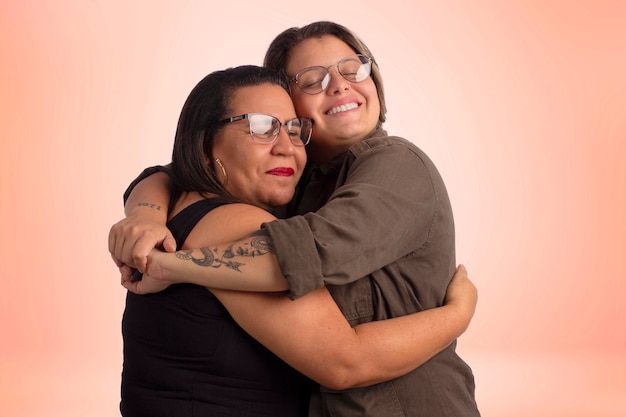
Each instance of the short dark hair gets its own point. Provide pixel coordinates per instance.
(207, 103)
(277, 54)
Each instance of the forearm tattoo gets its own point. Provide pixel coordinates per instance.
(255, 244)
(151, 205)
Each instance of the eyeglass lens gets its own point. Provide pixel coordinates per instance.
(316, 79)
(265, 129)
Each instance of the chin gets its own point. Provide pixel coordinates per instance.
(277, 201)
(280, 203)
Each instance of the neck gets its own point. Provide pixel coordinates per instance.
(320, 156)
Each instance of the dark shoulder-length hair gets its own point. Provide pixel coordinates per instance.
(193, 167)
(277, 54)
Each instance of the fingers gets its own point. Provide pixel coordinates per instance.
(118, 262)
(461, 288)
(139, 251)
(126, 272)
(118, 243)
(460, 274)
(147, 285)
(462, 296)
(169, 243)
(149, 240)
(132, 286)
(131, 242)
(127, 279)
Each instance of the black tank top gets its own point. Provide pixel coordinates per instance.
(184, 355)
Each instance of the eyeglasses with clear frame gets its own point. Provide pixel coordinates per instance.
(314, 80)
(264, 128)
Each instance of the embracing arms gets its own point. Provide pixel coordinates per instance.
(235, 266)
(376, 208)
(312, 335)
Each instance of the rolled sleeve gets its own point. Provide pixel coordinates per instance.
(385, 208)
(298, 259)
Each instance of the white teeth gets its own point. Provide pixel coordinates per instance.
(344, 107)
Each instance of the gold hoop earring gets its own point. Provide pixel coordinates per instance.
(218, 162)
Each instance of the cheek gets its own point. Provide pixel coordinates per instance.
(301, 159)
(373, 95)
(246, 167)
(304, 104)
(239, 166)
(223, 150)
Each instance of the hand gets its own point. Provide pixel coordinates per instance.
(152, 279)
(462, 293)
(131, 240)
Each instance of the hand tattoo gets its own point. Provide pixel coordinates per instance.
(255, 244)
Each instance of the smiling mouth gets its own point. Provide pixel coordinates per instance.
(342, 108)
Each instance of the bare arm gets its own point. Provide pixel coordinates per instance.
(312, 335)
(235, 266)
(247, 264)
(132, 238)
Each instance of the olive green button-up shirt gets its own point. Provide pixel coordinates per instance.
(375, 226)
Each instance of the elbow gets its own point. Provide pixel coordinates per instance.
(338, 381)
(341, 377)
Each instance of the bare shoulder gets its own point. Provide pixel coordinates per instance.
(243, 212)
(227, 223)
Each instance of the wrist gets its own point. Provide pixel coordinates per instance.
(459, 316)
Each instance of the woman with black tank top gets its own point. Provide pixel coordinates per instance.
(189, 351)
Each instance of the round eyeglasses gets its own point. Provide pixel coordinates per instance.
(314, 80)
(265, 128)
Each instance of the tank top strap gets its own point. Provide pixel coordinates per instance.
(183, 223)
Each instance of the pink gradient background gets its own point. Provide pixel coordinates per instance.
(521, 104)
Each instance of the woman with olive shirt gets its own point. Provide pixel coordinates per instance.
(382, 243)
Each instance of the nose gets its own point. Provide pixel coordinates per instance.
(282, 145)
(337, 83)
